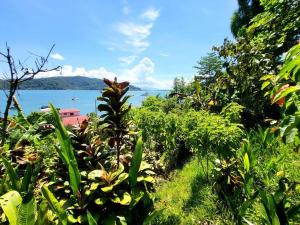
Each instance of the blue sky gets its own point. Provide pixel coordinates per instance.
(146, 42)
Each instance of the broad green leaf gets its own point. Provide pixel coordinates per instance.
(27, 213)
(9, 203)
(94, 186)
(91, 219)
(120, 179)
(107, 188)
(123, 199)
(290, 134)
(136, 162)
(55, 206)
(118, 171)
(95, 174)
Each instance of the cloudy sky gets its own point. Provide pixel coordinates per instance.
(145, 42)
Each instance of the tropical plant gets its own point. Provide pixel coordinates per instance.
(284, 91)
(278, 207)
(115, 112)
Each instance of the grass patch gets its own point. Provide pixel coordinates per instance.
(188, 198)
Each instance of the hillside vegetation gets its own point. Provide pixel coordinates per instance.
(63, 83)
(223, 148)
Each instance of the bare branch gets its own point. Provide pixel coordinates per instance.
(17, 75)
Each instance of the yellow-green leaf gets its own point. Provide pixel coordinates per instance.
(9, 203)
(246, 162)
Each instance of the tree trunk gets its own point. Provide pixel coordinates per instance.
(5, 116)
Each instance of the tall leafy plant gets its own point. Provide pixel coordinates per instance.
(115, 109)
(66, 152)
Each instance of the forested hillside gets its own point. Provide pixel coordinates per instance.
(63, 83)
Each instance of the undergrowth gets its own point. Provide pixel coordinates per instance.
(188, 198)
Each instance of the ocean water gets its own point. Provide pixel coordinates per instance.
(84, 100)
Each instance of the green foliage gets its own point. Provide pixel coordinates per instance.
(66, 152)
(27, 213)
(115, 194)
(115, 114)
(278, 209)
(187, 198)
(9, 203)
(125, 193)
(284, 90)
(210, 131)
(136, 163)
(242, 17)
(174, 136)
(275, 29)
(91, 219)
(63, 83)
(13, 177)
(228, 176)
(55, 206)
(18, 210)
(208, 67)
(257, 52)
(232, 112)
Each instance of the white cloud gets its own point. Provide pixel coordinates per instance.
(136, 35)
(127, 60)
(151, 14)
(68, 70)
(57, 56)
(141, 75)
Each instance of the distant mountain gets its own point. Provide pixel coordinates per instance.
(63, 83)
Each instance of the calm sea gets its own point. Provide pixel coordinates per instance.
(84, 100)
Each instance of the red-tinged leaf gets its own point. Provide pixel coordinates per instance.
(108, 82)
(284, 92)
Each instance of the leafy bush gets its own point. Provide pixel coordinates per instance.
(174, 136)
(284, 90)
(232, 112)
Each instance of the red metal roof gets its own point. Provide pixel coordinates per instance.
(68, 110)
(73, 120)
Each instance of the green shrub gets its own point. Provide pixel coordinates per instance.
(232, 112)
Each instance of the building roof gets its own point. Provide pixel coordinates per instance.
(68, 110)
(73, 120)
